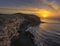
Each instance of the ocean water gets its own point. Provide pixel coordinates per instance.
(48, 33)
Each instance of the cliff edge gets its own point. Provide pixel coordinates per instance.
(13, 26)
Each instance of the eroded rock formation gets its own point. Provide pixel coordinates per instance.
(14, 24)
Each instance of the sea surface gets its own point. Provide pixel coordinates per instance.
(48, 33)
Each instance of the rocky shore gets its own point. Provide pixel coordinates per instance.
(13, 31)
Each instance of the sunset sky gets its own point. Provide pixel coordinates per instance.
(43, 8)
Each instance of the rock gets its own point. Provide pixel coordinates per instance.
(13, 24)
(24, 39)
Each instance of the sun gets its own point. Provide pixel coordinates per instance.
(44, 13)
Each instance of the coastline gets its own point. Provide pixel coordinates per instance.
(14, 23)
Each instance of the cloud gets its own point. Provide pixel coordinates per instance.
(15, 10)
(53, 5)
(37, 3)
(28, 6)
(32, 3)
(7, 7)
(19, 8)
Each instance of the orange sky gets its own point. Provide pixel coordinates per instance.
(42, 8)
(43, 13)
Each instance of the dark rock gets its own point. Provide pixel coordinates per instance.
(24, 39)
(18, 23)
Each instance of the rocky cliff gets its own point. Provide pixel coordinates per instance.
(14, 25)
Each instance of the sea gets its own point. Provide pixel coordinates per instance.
(48, 33)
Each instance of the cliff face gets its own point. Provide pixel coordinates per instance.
(12, 23)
